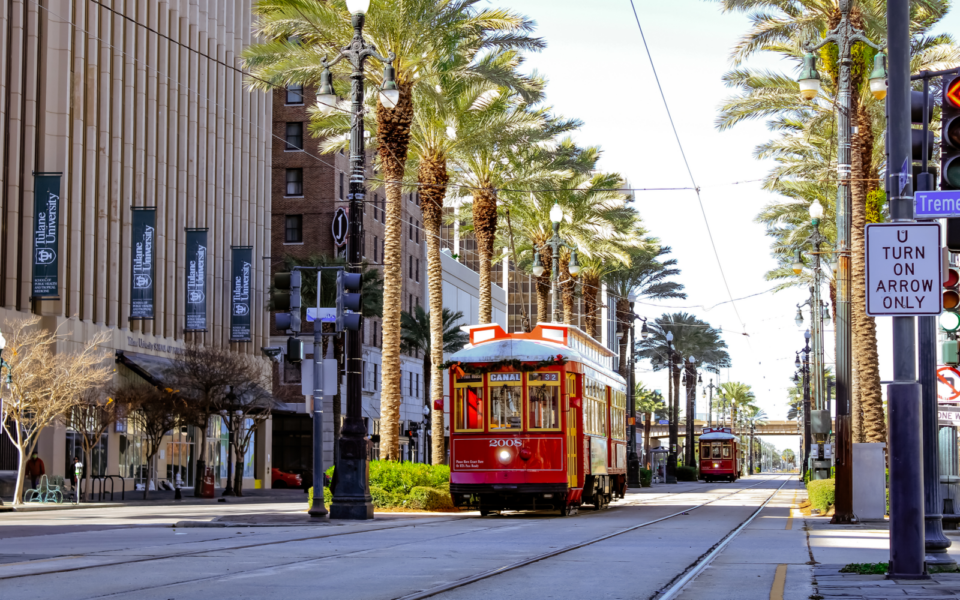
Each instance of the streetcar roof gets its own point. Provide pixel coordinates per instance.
(490, 343)
(717, 436)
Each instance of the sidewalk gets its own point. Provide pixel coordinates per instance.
(164, 498)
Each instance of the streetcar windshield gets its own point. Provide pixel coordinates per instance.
(544, 400)
(468, 408)
(726, 450)
(506, 403)
(716, 450)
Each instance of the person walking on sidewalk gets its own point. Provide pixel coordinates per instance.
(35, 469)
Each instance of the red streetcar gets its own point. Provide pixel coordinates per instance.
(538, 421)
(718, 454)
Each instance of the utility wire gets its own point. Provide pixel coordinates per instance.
(686, 163)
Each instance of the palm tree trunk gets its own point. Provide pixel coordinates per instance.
(591, 289)
(433, 178)
(567, 289)
(393, 134)
(543, 285)
(865, 328)
(485, 231)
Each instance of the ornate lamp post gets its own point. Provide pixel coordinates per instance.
(352, 498)
(6, 380)
(671, 475)
(555, 243)
(844, 36)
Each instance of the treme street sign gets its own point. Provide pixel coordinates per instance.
(904, 269)
(937, 204)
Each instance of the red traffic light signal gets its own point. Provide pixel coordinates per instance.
(951, 296)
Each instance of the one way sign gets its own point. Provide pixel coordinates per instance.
(904, 269)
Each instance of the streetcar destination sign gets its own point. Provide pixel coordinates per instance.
(937, 204)
(904, 269)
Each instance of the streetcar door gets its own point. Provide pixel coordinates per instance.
(571, 429)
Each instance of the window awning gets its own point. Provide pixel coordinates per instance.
(154, 370)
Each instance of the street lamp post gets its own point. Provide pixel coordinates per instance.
(671, 475)
(689, 454)
(633, 460)
(844, 36)
(556, 242)
(710, 404)
(352, 499)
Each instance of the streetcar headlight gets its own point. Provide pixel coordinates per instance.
(715, 465)
(504, 455)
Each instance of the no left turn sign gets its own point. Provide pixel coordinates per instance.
(948, 384)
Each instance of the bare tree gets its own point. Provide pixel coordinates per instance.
(44, 383)
(152, 412)
(248, 402)
(91, 417)
(202, 376)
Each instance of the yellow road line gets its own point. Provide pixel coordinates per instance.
(779, 582)
(793, 503)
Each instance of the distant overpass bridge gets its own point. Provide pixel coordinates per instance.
(769, 428)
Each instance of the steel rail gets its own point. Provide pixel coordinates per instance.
(702, 564)
(440, 589)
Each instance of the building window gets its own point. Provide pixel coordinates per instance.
(294, 136)
(418, 272)
(411, 229)
(376, 208)
(294, 94)
(418, 198)
(376, 249)
(341, 185)
(418, 301)
(363, 246)
(294, 229)
(419, 225)
(294, 182)
(410, 270)
(376, 376)
(383, 247)
(383, 208)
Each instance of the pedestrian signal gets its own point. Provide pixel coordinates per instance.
(348, 301)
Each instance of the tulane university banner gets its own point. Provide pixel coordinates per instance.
(196, 280)
(240, 294)
(143, 242)
(46, 239)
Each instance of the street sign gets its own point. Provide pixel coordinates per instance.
(327, 315)
(663, 422)
(948, 416)
(937, 204)
(948, 384)
(340, 226)
(904, 269)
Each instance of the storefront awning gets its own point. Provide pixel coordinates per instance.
(155, 370)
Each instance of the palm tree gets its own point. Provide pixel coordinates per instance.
(645, 277)
(417, 338)
(738, 397)
(756, 416)
(424, 35)
(648, 402)
(782, 27)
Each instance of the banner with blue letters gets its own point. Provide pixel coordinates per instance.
(196, 288)
(46, 235)
(241, 294)
(143, 244)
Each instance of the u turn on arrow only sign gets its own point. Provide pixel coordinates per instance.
(904, 270)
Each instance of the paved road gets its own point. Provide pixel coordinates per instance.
(134, 553)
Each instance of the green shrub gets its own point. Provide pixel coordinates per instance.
(646, 477)
(687, 473)
(822, 493)
(385, 499)
(397, 477)
(425, 498)
(327, 497)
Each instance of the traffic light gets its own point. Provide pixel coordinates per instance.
(950, 134)
(950, 317)
(412, 430)
(348, 301)
(285, 296)
(917, 137)
(294, 350)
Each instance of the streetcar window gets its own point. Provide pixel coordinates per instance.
(506, 403)
(726, 450)
(544, 401)
(468, 408)
(716, 450)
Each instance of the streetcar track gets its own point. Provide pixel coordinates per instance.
(434, 591)
(298, 563)
(679, 582)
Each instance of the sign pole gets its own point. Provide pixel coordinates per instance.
(903, 396)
